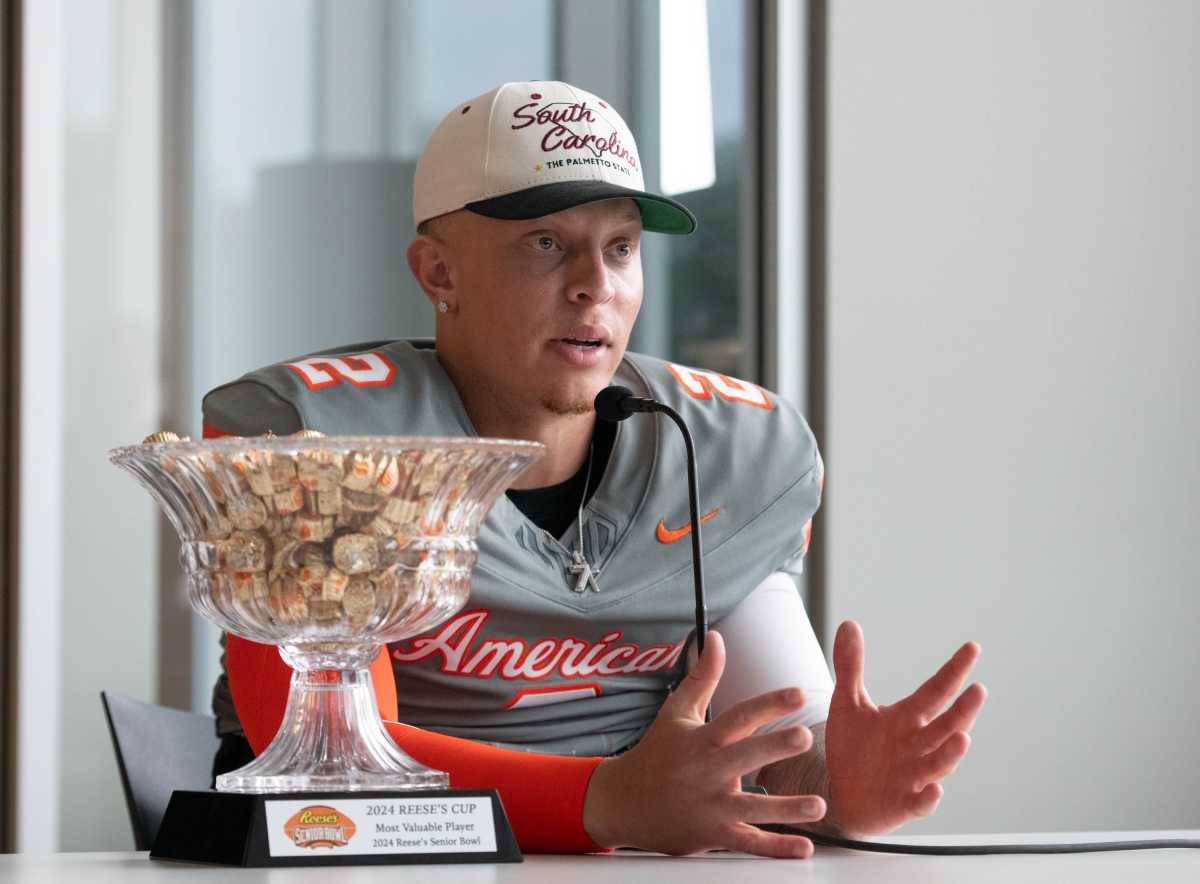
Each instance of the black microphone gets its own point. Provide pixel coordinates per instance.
(616, 404)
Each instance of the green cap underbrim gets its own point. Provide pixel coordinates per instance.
(659, 213)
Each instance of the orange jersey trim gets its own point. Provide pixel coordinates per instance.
(543, 795)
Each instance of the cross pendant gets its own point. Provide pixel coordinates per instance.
(585, 576)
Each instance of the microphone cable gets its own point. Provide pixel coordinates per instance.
(982, 849)
(618, 403)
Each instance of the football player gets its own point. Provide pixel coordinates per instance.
(566, 683)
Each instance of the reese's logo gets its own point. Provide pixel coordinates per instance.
(320, 826)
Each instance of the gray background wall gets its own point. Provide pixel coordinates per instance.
(1014, 390)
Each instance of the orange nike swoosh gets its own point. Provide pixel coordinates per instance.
(671, 535)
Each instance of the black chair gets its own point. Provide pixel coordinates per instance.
(158, 751)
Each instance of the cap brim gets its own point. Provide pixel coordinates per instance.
(659, 214)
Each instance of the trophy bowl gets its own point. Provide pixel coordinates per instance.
(328, 547)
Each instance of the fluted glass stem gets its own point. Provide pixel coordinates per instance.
(332, 740)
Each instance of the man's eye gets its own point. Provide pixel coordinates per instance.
(545, 243)
(624, 249)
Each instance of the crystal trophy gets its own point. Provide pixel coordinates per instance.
(329, 548)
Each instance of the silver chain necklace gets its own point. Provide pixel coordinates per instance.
(580, 567)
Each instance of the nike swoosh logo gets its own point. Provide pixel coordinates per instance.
(672, 535)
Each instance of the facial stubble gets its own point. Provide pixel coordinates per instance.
(566, 407)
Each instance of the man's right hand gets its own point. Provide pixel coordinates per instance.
(679, 789)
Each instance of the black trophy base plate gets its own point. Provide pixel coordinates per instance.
(231, 829)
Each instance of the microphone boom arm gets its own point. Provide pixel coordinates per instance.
(694, 507)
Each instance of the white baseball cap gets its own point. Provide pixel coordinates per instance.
(525, 150)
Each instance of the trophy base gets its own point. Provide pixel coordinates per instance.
(336, 829)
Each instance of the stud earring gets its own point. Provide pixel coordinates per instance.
(443, 307)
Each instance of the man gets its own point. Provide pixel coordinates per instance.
(530, 208)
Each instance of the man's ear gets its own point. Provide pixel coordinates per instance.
(427, 259)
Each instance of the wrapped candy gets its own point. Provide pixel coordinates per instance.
(358, 601)
(356, 553)
(309, 527)
(251, 469)
(245, 551)
(361, 501)
(320, 470)
(283, 473)
(291, 605)
(219, 527)
(329, 503)
(361, 472)
(249, 586)
(311, 577)
(246, 513)
(389, 477)
(324, 611)
(318, 535)
(334, 585)
(289, 501)
(380, 527)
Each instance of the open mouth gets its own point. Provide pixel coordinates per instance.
(585, 345)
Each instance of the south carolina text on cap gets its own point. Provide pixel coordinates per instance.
(525, 150)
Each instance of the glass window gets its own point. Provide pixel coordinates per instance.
(309, 118)
(694, 310)
(706, 267)
(307, 122)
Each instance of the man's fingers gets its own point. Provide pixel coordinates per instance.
(959, 717)
(755, 752)
(937, 765)
(744, 718)
(792, 809)
(925, 802)
(692, 696)
(746, 839)
(936, 692)
(848, 653)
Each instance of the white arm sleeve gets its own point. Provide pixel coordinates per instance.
(769, 644)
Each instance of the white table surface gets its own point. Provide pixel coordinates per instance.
(828, 864)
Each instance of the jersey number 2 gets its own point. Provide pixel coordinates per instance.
(703, 384)
(363, 370)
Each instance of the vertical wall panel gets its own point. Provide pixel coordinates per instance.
(40, 513)
(112, 394)
(1015, 389)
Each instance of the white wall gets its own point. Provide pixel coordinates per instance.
(113, 392)
(90, 382)
(39, 586)
(1014, 294)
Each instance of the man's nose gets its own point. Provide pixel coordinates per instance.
(590, 279)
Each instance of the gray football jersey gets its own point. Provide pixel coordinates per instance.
(531, 663)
